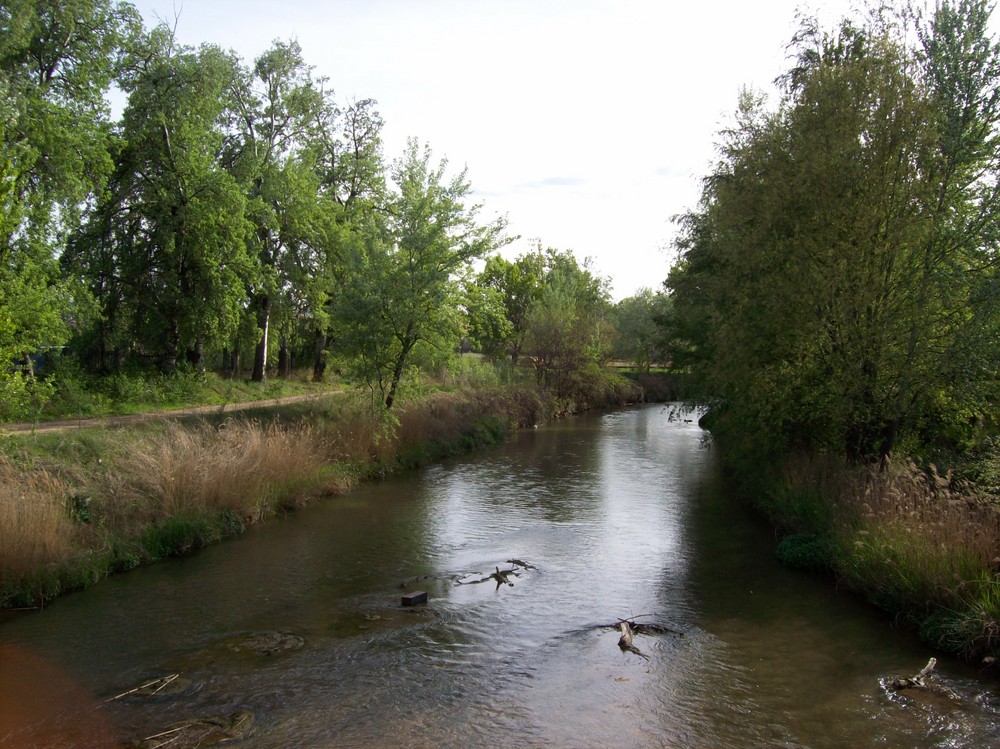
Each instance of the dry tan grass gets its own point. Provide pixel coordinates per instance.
(916, 532)
(35, 528)
(436, 417)
(241, 466)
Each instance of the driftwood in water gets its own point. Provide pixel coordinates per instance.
(150, 688)
(201, 732)
(917, 681)
(502, 577)
(625, 641)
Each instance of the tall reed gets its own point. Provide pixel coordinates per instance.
(915, 542)
(36, 531)
(239, 466)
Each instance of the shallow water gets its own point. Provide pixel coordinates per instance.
(621, 515)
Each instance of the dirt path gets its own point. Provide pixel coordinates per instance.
(63, 425)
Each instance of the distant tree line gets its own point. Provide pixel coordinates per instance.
(838, 286)
(237, 213)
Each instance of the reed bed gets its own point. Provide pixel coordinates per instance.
(240, 466)
(914, 541)
(36, 531)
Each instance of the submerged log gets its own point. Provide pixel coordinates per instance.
(502, 577)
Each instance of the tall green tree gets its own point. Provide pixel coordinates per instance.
(400, 289)
(57, 61)
(518, 283)
(166, 252)
(346, 147)
(835, 283)
(567, 334)
(277, 105)
(638, 321)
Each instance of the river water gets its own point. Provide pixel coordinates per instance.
(618, 515)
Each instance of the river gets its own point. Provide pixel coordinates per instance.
(616, 515)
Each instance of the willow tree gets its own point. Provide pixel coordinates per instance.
(837, 278)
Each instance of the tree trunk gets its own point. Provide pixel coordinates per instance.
(319, 359)
(196, 356)
(260, 354)
(284, 358)
(397, 374)
(171, 349)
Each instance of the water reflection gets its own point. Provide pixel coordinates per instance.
(620, 514)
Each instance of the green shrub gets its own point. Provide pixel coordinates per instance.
(806, 551)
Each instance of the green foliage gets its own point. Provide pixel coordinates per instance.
(23, 398)
(516, 286)
(806, 551)
(57, 61)
(165, 253)
(179, 535)
(837, 284)
(566, 333)
(638, 321)
(487, 324)
(399, 291)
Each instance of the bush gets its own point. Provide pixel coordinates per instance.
(806, 551)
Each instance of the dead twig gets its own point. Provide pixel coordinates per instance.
(164, 680)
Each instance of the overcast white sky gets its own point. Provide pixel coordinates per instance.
(589, 123)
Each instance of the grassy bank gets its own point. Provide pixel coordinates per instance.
(74, 394)
(80, 504)
(920, 545)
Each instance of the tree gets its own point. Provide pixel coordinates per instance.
(400, 289)
(57, 61)
(638, 321)
(487, 324)
(166, 252)
(346, 148)
(277, 105)
(566, 333)
(836, 281)
(518, 284)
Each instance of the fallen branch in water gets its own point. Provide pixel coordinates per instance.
(502, 577)
(162, 682)
(917, 681)
(625, 641)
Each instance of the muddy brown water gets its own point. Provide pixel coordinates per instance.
(622, 514)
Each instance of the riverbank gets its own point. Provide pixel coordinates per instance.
(76, 506)
(922, 546)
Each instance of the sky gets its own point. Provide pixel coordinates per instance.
(588, 123)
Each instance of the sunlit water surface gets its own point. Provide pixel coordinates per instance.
(621, 515)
